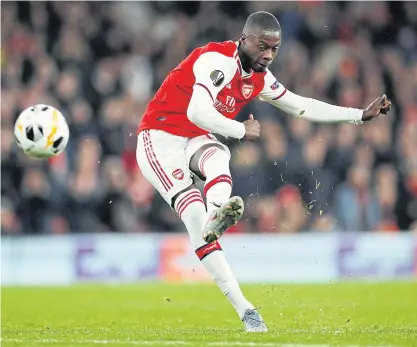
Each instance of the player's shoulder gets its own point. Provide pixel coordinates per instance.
(226, 48)
(221, 56)
(213, 53)
(272, 89)
(270, 79)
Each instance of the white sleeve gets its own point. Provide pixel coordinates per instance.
(276, 94)
(212, 72)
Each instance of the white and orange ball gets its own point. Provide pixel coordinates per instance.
(41, 131)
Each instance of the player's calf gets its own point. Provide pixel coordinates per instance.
(190, 207)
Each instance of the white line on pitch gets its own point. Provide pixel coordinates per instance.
(172, 342)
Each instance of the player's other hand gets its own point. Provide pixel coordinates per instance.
(380, 105)
(252, 127)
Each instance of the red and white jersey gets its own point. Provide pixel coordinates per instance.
(209, 88)
(215, 67)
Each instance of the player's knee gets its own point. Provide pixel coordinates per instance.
(195, 159)
(209, 158)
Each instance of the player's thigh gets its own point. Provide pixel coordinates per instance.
(162, 160)
(197, 146)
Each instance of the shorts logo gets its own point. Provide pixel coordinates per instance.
(275, 85)
(247, 90)
(217, 77)
(178, 174)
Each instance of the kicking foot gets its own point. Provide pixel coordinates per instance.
(223, 218)
(254, 322)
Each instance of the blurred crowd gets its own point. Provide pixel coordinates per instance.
(100, 63)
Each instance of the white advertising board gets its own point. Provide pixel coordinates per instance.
(257, 258)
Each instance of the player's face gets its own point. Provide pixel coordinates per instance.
(261, 50)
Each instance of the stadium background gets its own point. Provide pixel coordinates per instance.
(101, 62)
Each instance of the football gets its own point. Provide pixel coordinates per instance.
(41, 131)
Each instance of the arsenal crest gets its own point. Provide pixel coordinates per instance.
(178, 174)
(247, 90)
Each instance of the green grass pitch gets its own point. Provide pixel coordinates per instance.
(344, 314)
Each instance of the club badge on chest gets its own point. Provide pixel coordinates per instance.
(247, 89)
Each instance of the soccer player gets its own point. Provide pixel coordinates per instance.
(201, 97)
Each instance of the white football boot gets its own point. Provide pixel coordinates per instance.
(223, 218)
(254, 322)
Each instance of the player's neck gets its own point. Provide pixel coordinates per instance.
(244, 61)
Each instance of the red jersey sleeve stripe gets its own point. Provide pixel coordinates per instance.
(208, 91)
(281, 95)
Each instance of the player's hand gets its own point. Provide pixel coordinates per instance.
(252, 127)
(380, 105)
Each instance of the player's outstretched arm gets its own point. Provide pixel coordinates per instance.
(315, 110)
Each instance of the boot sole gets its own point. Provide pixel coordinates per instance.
(230, 216)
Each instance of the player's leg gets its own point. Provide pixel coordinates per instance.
(188, 206)
(161, 158)
(210, 161)
(159, 154)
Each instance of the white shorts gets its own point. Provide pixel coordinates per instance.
(164, 159)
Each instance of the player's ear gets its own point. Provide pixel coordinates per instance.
(242, 38)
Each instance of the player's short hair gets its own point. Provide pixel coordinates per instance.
(263, 21)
